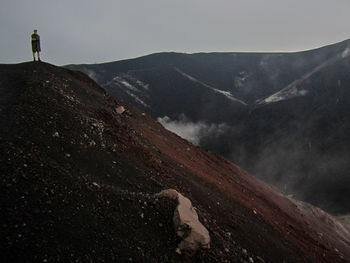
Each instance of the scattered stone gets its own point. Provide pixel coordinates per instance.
(244, 251)
(96, 184)
(120, 110)
(251, 260)
(56, 135)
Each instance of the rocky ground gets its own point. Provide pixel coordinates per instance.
(79, 178)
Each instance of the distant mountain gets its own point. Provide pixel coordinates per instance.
(282, 116)
(80, 171)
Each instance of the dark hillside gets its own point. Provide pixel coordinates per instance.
(284, 117)
(78, 181)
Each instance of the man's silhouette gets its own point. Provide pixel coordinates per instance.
(36, 44)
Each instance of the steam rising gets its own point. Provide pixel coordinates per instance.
(294, 165)
(299, 169)
(193, 131)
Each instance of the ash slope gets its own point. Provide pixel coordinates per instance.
(284, 117)
(77, 184)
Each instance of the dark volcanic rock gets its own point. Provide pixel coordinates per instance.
(78, 181)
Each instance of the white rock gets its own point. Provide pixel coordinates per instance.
(120, 110)
(96, 184)
(195, 235)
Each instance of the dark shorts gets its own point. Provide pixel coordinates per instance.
(36, 46)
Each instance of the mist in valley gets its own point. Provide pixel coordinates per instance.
(296, 166)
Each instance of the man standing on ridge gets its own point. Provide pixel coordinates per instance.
(36, 44)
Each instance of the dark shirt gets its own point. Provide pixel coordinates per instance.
(35, 37)
(36, 43)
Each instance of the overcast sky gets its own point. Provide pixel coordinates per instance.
(86, 31)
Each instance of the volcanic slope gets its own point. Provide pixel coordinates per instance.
(284, 117)
(78, 181)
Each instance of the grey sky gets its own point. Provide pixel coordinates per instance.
(86, 31)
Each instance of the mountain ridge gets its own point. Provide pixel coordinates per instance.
(346, 41)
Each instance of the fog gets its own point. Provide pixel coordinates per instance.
(297, 167)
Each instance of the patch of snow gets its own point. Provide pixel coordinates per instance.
(123, 82)
(227, 94)
(143, 85)
(191, 78)
(284, 95)
(137, 99)
(291, 90)
(129, 82)
(128, 85)
(136, 81)
(92, 74)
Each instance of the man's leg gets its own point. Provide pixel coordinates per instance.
(34, 56)
(39, 56)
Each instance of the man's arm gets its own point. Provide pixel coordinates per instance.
(35, 38)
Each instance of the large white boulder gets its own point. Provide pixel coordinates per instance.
(187, 226)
